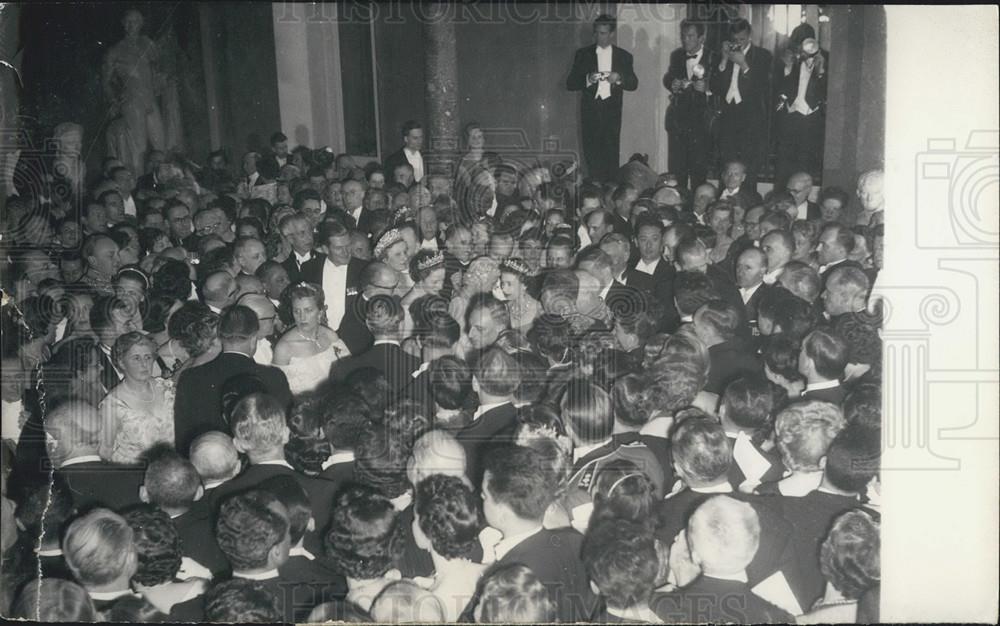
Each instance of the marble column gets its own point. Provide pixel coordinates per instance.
(441, 144)
(10, 101)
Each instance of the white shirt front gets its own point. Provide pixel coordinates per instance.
(829, 384)
(356, 214)
(799, 104)
(300, 259)
(107, 351)
(733, 95)
(429, 244)
(281, 462)
(268, 575)
(334, 290)
(264, 353)
(647, 268)
(414, 158)
(691, 61)
(726, 193)
(604, 65)
(802, 211)
(746, 294)
(130, 206)
(772, 277)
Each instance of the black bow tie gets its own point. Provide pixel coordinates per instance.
(693, 56)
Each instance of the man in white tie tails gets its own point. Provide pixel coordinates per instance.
(801, 115)
(410, 153)
(743, 81)
(602, 73)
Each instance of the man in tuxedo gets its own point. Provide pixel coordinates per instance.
(250, 253)
(278, 156)
(652, 273)
(750, 268)
(743, 82)
(736, 187)
(517, 489)
(597, 263)
(110, 318)
(718, 545)
(383, 316)
(716, 323)
(74, 428)
(260, 432)
(297, 231)
(822, 362)
(353, 193)
(778, 246)
(172, 483)
(102, 556)
(376, 278)
(216, 460)
(836, 243)
(801, 110)
(410, 153)
(179, 223)
(198, 404)
(495, 378)
(336, 273)
(800, 186)
(687, 79)
(602, 73)
(692, 256)
(267, 318)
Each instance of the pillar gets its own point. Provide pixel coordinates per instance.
(10, 100)
(441, 144)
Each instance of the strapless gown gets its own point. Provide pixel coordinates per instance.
(305, 373)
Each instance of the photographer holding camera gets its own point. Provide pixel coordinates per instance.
(688, 119)
(801, 114)
(743, 81)
(602, 73)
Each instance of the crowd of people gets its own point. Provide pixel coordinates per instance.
(316, 390)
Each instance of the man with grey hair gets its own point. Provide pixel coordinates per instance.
(100, 551)
(267, 318)
(800, 186)
(72, 432)
(870, 194)
(709, 560)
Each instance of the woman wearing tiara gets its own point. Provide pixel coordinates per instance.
(307, 350)
(515, 275)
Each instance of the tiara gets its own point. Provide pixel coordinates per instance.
(517, 265)
(403, 214)
(620, 481)
(390, 237)
(436, 259)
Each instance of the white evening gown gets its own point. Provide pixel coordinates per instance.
(305, 373)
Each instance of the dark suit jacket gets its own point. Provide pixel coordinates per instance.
(493, 428)
(292, 267)
(750, 306)
(727, 361)
(147, 182)
(811, 517)
(834, 395)
(198, 404)
(585, 62)
(196, 529)
(788, 86)
(660, 286)
(312, 271)
(754, 85)
(96, 483)
(388, 358)
(554, 557)
(687, 110)
(393, 161)
(746, 197)
(353, 331)
(313, 581)
(715, 600)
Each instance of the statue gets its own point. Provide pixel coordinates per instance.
(132, 84)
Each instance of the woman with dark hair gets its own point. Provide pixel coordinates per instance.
(849, 560)
(159, 577)
(159, 308)
(194, 338)
(307, 350)
(363, 539)
(307, 448)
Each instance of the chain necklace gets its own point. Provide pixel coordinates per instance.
(314, 340)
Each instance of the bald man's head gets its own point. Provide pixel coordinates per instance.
(75, 429)
(219, 289)
(214, 456)
(379, 278)
(588, 299)
(436, 452)
(265, 311)
(723, 535)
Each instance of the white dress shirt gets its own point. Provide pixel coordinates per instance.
(772, 277)
(130, 206)
(799, 104)
(827, 384)
(733, 95)
(415, 159)
(334, 290)
(268, 575)
(802, 211)
(747, 293)
(301, 259)
(647, 268)
(726, 193)
(356, 213)
(691, 61)
(604, 65)
(264, 354)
